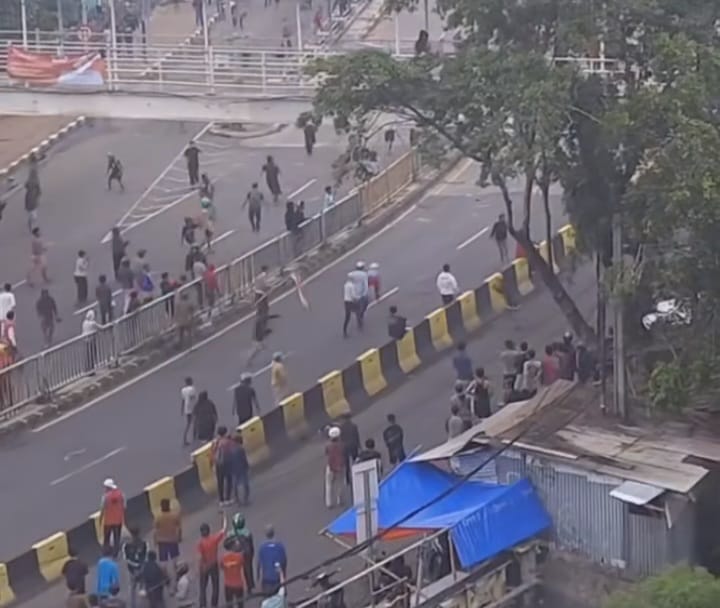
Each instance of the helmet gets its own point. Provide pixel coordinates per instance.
(360, 265)
(238, 520)
(334, 432)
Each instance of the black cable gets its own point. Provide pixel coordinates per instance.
(462, 480)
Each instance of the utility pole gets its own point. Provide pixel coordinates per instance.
(618, 325)
(427, 16)
(60, 23)
(23, 20)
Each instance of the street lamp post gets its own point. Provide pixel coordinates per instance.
(113, 42)
(23, 21)
(61, 24)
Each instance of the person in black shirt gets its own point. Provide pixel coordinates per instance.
(350, 437)
(393, 437)
(290, 217)
(75, 570)
(245, 404)
(499, 234)
(370, 453)
(397, 324)
(192, 157)
(154, 579)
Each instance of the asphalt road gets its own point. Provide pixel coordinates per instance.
(134, 433)
(290, 494)
(77, 211)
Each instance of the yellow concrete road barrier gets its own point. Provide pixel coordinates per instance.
(372, 373)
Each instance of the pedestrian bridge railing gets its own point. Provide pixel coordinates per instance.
(222, 70)
(39, 376)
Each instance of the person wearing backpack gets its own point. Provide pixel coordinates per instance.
(221, 456)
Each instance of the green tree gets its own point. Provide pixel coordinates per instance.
(678, 588)
(507, 110)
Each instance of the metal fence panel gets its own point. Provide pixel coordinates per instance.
(20, 383)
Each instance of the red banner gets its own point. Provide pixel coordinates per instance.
(45, 69)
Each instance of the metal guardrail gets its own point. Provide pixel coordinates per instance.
(40, 375)
(227, 70)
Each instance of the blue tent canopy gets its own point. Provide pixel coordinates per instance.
(484, 519)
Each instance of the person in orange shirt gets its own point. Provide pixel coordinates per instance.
(233, 567)
(112, 515)
(208, 570)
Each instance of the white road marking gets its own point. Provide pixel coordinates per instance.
(225, 330)
(210, 144)
(259, 372)
(87, 466)
(19, 284)
(83, 310)
(385, 296)
(452, 178)
(70, 455)
(473, 238)
(223, 236)
(149, 189)
(423, 220)
(302, 188)
(177, 180)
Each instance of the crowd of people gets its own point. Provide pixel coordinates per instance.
(156, 571)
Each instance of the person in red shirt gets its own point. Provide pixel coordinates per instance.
(207, 549)
(233, 567)
(112, 515)
(550, 367)
(334, 469)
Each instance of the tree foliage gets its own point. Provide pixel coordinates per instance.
(678, 588)
(642, 143)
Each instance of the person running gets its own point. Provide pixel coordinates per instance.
(272, 178)
(38, 258)
(278, 378)
(82, 266)
(47, 312)
(114, 172)
(254, 202)
(499, 233)
(245, 401)
(192, 159)
(188, 401)
(447, 285)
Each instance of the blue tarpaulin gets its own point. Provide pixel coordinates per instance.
(484, 519)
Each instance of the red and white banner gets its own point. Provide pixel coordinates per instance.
(45, 69)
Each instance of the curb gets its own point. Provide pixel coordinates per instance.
(42, 148)
(274, 436)
(272, 130)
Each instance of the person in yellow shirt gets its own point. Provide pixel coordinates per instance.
(278, 378)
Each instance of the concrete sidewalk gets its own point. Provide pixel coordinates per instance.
(168, 25)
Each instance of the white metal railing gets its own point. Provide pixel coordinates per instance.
(50, 370)
(230, 71)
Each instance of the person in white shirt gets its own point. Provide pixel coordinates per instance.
(81, 277)
(531, 374)
(349, 300)
(7, 301)
(188, 400)
(361, 281)
(447, 285)
(89, 331)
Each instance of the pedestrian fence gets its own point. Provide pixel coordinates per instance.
(225, 70)
(40, 375)
(277, 433)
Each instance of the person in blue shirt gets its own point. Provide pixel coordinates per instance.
(463, 364)
(108, 574)
(271, 555)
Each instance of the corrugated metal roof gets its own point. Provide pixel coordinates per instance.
(550, 424)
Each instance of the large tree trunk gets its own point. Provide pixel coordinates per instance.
(545, 189)
(562, 298)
